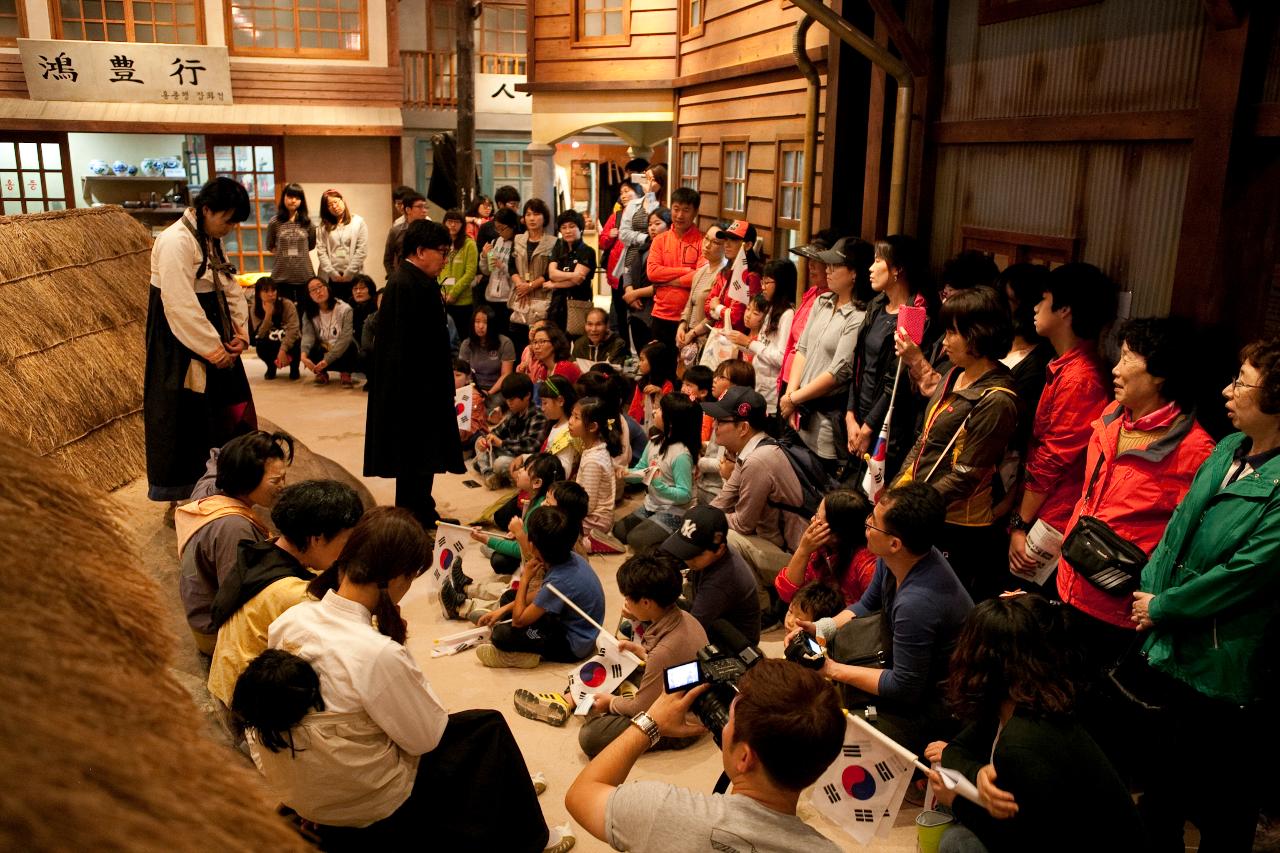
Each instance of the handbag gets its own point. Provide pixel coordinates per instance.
(859, 642)
(577, 320)
(1100, 555)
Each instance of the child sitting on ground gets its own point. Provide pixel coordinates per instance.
(666, 469)
(815, 600)
(542, 625)
(519, 432)
(479, 426)
(597, 431)
(650, 585)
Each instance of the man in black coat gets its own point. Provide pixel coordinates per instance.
(411, 432)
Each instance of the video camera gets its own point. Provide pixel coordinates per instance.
(721, 670)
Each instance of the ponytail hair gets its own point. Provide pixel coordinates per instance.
(594, 411)
(387, 543)
(547, 468)
(272, 696)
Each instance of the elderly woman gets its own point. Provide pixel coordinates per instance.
(1210, 597)
(968, 422)
(1142, 456)
(572, 268)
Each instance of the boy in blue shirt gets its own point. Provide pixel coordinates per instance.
(542, 625)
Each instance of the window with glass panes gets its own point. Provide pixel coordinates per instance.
(602, 20)
(320, 28)
(500, 41)
(789, 208)
(166, 21)
(689, 166)
(513, 166)
(691, 18)
(252, 162)
(34, 174)
(734, 181)
(11, 21)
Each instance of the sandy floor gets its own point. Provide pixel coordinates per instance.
(330, 420)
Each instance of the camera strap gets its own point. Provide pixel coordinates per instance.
(722, 784)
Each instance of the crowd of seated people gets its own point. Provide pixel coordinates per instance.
(986, 477)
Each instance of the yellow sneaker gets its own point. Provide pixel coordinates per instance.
(550, 708)
(491, 655)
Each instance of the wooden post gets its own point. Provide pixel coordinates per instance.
(467, 10)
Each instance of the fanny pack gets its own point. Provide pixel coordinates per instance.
(1100, 555)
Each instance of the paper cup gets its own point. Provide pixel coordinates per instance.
(930, 826)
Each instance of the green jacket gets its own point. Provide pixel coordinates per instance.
(1216, 580)
(510, 547)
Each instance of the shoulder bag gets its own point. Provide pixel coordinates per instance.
(1100, 555)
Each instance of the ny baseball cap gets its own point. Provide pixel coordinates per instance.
(703, 528)
(738, 403)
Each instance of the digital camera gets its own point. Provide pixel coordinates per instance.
(721, 670)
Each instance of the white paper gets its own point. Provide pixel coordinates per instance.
(1044, 543)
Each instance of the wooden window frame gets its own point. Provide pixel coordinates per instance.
(687, 30)
(1021, 247)
(297, 52)
(577, 39)
(683, 145)
(728, 145)
(41, 137)
(482, 31)
(787, 144)
(5, 41)
(997, 12)
(211, 143)
(56, 27)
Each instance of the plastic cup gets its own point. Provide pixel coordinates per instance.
(930, 825)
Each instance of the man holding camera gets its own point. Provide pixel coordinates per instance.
(785, 728)
(925, 606)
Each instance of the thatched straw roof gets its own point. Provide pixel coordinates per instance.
(100, 747)
(73, 307)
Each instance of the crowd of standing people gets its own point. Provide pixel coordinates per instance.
(984, 476)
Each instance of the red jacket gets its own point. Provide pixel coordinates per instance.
(1136, 493)
(672, 261)
(1074, 395)
(610, 250)
(737, 310)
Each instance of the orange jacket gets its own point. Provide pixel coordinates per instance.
(672, 262)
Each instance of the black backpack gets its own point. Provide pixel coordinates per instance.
(807, 465)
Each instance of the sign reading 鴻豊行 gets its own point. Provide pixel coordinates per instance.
(129, 72)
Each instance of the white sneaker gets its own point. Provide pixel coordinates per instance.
(539, 783)
(560, 839)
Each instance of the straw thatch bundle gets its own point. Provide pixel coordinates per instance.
(100, 748)
(73, 308)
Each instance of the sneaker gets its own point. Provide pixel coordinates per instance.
(271, 372)
(490, 655)
(459, 579)
(539, 783)
(452, 599)
(479, 609)
(626, 690)
(346, 380)
(560, 839)
(322, 378)
(550, 708)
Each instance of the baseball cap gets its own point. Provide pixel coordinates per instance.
(738, 229)
(703, 528)
(738, 403)
(811, 250)
(841, 254)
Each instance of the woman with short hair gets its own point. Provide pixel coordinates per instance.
(327, 335)
(571, 270)
(968, 422)
(275, 329)
(531, 253)
(342, 244)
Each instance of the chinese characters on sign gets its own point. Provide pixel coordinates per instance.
(106, 71)
(496, 93)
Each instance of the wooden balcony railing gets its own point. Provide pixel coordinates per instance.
(431, 77)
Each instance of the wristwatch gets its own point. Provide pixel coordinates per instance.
(1016, 523)
(645, 723)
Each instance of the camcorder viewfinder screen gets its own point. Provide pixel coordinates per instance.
(682, 676)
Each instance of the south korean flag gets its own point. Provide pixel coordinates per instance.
(451, 541)
(739, 291)
(602, 672)
(863, 788)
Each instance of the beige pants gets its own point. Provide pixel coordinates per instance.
(764, 558)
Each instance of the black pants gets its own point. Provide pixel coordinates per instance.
(620, 323)
(472, 792)
(1095, 647)
(519, 334)
(1224, 748)
(348, 362)
(974, 553)
(503, 564)
(545, 637)
(665, 330)
(413, 492)
(269, 351)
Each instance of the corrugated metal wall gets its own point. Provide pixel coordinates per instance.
(1124, 201)
(1115, 56)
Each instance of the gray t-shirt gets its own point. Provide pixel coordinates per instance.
(656, 816)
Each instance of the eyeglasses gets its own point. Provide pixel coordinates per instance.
(318, 289)
(540, 342)
(881, 529)
(1238, 383)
